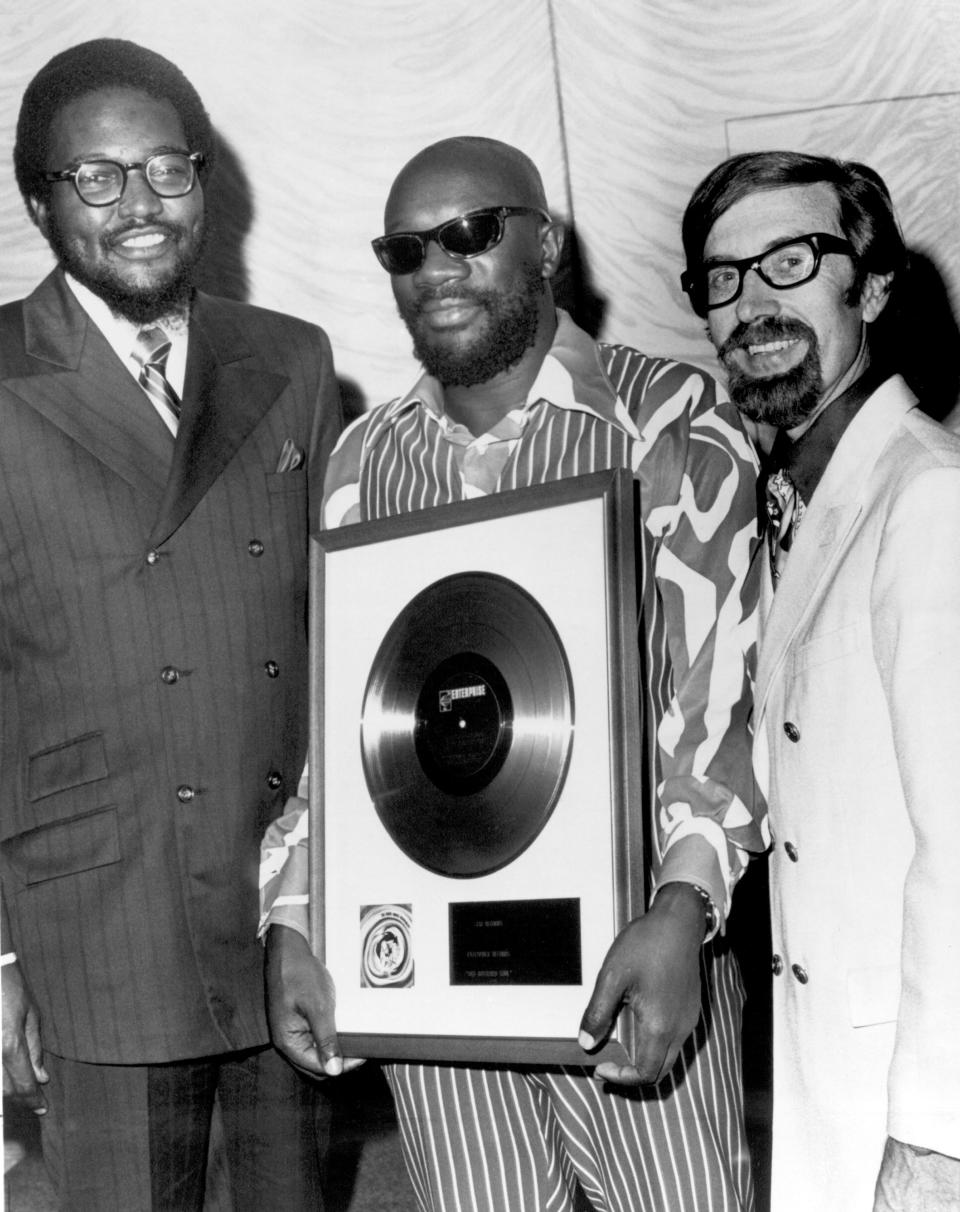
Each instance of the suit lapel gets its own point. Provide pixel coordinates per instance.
(73, 378)
(827, 528)
(224, 399)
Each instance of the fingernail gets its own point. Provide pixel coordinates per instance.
(586, 1041)
(333, 1066)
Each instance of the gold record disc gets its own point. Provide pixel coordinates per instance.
(467, 724)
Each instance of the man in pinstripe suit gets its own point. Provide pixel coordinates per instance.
(153, 539)
(514, 393)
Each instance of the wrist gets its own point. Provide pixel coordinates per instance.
(692, 901)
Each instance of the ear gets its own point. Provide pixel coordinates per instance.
(874, 295)
(551, 246)
(38, 212)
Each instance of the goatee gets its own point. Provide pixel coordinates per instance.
(513, 318)
(782, 400)
(141, 304)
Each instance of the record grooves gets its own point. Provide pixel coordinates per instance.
(467, 724)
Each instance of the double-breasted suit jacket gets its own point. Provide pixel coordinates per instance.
(857, 720)
(152, 666)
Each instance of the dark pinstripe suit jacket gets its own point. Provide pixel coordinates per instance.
(152, 667)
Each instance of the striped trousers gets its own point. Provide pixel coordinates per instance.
(135, 1138)
(490, 1139)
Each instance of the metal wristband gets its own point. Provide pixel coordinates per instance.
(713, 918)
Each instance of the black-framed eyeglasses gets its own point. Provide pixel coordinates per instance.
(102, 182)
(788, 264)
(467, 235)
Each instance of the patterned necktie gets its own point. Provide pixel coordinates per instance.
(151, 350)
(785, 509)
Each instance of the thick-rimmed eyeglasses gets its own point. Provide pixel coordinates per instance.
(467, 235)
(784, 266)
(102, 182)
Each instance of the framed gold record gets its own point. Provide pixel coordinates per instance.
(467, 724)
(475, 795)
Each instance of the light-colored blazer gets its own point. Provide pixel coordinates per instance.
(857, 723)
(152, 666)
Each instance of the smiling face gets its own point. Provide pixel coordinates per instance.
(787, 351)
(139, 253)
(471, 319)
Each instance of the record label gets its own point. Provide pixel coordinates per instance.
(463, 723)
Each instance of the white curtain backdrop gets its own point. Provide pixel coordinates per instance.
(624, 104)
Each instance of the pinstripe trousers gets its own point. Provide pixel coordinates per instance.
(487, 1139)
(134, 1138)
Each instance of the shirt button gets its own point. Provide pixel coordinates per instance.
(185, 794)
(274, 780)
(791, 850)
(792, 731)
(169, 675)
(153, 557)
(776, 966)
(799, 973)
(272, 669)
(255, 547)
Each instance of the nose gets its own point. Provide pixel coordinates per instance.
(138, 198)
(439, 266)
(756, 298)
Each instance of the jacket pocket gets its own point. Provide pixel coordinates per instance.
(873, 995)
(70, 764)
(830, 646)
(67, 847)
(284, 482)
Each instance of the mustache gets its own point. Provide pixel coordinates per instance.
(445, 291)
(759, 332)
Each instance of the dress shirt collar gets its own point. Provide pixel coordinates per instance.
(806, 459)
(570, 377)
(121, 334)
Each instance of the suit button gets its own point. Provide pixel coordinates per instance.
(776, 966)
(169, 675)
(255, 547)
(799, 973)
(274, 780)
(153, 557)
(272, 669)
(792, 731)
(185, 794)
(791, 850)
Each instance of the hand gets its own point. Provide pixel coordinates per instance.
(23, 1071)
(912, 1179)
(654, 968)
(300, 1006)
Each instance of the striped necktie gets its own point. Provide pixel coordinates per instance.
(151, 350)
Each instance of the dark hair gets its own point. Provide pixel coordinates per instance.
(866, 214)
(87, 68)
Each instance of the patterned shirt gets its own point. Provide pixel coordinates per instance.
(594, 407)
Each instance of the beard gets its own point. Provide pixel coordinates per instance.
(141, 304)
(779, 400)
(513, 318)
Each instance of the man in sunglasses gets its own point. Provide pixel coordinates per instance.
(791, 260)
(514, 393)
(162, 451)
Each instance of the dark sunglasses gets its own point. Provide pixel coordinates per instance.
(465, 236)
